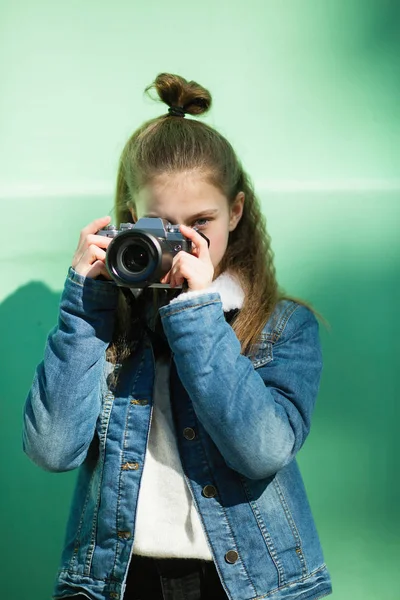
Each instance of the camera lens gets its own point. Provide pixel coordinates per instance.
(135, 258)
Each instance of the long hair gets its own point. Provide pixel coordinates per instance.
(171, 144)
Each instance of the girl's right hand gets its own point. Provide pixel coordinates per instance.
(89, 257)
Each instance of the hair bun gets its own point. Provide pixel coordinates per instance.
(176, 91)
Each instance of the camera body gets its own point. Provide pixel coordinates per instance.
(141, 253)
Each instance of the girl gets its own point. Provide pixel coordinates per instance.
(184, 411)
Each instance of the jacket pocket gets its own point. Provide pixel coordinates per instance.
(278, 527)
(261, 353)
(82, 523)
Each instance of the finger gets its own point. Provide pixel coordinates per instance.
(176, 267)
(176, 278)
(183, 266)
(99, 240)
(95, 226)
(98, 268)
(197, 239)
(88, 258)
(166, 277)
(86, 239)
(175, 261)
(176, 281)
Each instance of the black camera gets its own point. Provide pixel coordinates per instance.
(141, 253)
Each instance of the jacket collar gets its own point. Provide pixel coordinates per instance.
(227, 285)
(229, 288)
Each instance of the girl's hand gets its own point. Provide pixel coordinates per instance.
(89, 257)
(196, 268)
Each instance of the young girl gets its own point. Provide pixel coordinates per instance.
(184, 410)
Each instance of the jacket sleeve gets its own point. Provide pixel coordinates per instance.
(258, 419)
(64, 401)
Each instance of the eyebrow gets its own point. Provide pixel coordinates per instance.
(203, 213)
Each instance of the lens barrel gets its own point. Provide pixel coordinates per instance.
(136, 258)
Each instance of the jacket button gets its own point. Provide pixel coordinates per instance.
(140, 401)
(189, 433)
(209, 491)
(130, 466)
(124, 535)
(231, 556)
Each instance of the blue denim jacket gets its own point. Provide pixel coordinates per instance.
(250, 415)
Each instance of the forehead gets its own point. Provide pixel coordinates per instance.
(179, 194)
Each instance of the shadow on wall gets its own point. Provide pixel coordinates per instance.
(350, 461)
(35, 507)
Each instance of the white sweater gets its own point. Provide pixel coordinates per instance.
(167, 522)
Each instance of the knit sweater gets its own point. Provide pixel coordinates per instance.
(167, 522)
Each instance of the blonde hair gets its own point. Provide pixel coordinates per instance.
(170, 144)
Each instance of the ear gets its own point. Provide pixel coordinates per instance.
(236, 211)
(132, 210)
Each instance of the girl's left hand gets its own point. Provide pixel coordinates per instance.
(196, 268)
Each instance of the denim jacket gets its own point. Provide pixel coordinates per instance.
(249, 416)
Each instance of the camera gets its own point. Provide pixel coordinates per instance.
(141, 253)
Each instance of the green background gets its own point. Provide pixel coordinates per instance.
(307, 91)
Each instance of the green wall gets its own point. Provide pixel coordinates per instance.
(308, 93)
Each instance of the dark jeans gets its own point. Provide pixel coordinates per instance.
(171, 579)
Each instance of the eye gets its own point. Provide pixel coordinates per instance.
(200, 223)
